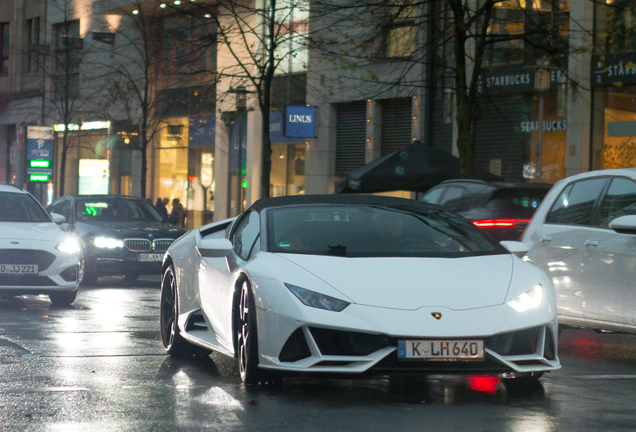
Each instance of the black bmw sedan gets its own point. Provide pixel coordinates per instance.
(121, 235)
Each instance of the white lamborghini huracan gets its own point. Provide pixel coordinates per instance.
(354, 284)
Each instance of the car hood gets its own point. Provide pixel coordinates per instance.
(135, 229)
(411, 283)
(45, 231)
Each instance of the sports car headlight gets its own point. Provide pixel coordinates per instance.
(528, 300)
(70, 245)
(108, 242)
(317, 300)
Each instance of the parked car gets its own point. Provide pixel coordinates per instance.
(503, 210)
(353, 284)
(120, 235)
(36, 256)
(584, 236)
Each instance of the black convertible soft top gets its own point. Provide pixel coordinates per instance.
(295, 200)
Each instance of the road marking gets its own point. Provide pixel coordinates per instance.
(606, 377)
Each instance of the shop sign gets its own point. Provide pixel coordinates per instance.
(548, 126)
(614, 70)
(277, 128)
(300, 121)
(39, 150)
(512, 79)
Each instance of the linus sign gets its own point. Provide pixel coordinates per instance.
(300, 122)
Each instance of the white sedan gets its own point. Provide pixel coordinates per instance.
(354, 284)
(36, 256)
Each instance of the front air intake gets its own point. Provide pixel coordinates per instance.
(295, 348)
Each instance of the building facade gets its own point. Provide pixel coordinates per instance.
(206, 150)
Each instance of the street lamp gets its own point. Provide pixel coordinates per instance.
(79, 118)
(541, 85)
(241, 107)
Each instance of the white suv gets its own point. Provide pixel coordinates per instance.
(584, 237)
(36, 255)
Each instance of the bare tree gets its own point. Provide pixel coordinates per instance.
(69, 93)
(262, 38)
(140, 87)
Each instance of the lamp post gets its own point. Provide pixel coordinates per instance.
(241, 108)
(541, 85)
(79, 116)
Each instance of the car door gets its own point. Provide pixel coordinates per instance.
(218, 276)
(561, 242)
(609, 258)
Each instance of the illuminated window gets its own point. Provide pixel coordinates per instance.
(400, 33)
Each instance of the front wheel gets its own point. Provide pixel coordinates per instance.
(62, 298)
(171, 337)
(247, 339)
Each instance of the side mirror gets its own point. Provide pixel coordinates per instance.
(515, 247)
(214, 248)
(58, 218)
(624, 225)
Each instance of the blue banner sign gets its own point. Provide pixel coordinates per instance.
(202, 131)
(300, 121)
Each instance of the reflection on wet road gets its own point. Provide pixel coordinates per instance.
(99, 365)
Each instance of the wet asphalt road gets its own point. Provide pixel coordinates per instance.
(99, 366)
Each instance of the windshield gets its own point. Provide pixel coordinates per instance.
(375, 231)
(21, 207)
(117, 210)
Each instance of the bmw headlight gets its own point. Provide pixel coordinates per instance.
(317, 300)
(70, 245)
(108, 242)
(528, 300)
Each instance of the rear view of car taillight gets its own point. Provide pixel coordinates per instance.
(503, 229)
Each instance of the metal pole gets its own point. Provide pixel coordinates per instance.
(239, 174)
(539, 148)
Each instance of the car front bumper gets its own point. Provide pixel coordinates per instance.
(57, 272)
(513, 343)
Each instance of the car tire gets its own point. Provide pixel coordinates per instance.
(173, 342)
(247, 339)
(87, 277)
(62, 298)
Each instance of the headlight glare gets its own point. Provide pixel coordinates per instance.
(70, 245)
(317, 300)
(528, 300)
(108, 242)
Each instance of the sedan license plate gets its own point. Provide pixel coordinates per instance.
(441, 350)
(18, 269)
(149, 257)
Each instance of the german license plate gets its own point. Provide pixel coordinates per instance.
(442, 350)
(149, 257)
(18, 269)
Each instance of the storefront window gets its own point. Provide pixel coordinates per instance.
(619, 145)
(553, 141)
(185, 168)
(507, 22)
(288, 170)
(171, 160)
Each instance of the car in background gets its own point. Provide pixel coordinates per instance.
(584, 236)
(36, 256)
(120, 235)
(503, 210)
(349, 284)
